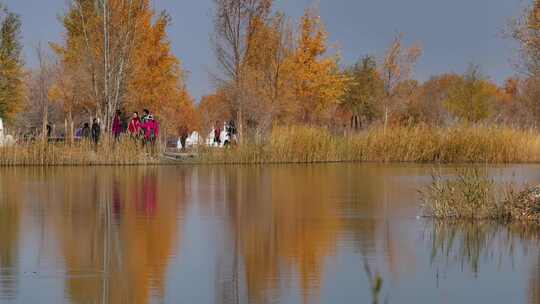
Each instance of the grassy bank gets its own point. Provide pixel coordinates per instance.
(303, 144)
(108, 152)
(473, 196)
(399, 144)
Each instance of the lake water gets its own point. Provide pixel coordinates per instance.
(254, 234)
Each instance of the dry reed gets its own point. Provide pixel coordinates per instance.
(471, 195)
(124, 151)
(305, 144)
(461, 144)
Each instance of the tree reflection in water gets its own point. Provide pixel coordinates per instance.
(284, 224)
(10, 221)
(127, 236)
(473, 244)
(113, 230)
(261, 234)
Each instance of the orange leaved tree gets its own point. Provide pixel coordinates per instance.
(121, 58)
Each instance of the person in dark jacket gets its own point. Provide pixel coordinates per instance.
(117, 125)
(49, 130)
(96, 131)
(146, 115)
(85, 131)
(124, 121)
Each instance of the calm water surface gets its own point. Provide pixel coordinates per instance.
(259, 234)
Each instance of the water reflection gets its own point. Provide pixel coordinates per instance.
(471, 243)
(10, 218)
(126, 240)
(292, 230)
(285, 223)
(258, 234)
(114, 231)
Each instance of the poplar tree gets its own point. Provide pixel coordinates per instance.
(11, 64)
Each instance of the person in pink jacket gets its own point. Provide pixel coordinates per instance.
(151, 131)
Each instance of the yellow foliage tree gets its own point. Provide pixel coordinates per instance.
(471, 97)
(317, 82)
(157, 80)
(118, 57)
(397, 68)
(268, 80)
(11, 64)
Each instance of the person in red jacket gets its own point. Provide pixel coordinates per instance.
(134, 127)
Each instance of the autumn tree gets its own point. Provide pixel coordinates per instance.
(523, 108)
(38, 110)
(397, 66)
(526, 31)
(156, 80)
(11, 64)
(268, 72)
(364, 88)
(235, 23)
(213, 109)
(69, 93)
(317, 82)
(427, 105)
(101, 35)
(117, 55)
(470, 98)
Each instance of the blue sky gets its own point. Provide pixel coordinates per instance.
(452, 33)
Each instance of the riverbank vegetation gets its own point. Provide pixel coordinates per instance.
(125, 151)
(300, 144)
(470, 195)
(461, 144)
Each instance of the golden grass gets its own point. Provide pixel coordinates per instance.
(305, 144)
(462, 144)
(470, 195)
(108, 152)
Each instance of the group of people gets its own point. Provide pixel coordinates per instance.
(144, 128)
(226, 136)
(90, 132)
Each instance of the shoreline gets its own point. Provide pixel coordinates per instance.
(170, 162)
(306, 145)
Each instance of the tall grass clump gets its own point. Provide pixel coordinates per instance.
(109, 151)
(471, 195)
(421, 144)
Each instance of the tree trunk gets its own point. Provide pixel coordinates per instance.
(71, 133)
(385, 118)
(45, 133)
(240, 118)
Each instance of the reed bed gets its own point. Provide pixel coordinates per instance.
(461, 144)
(306, 144)
(472, 196)
(109, 152)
